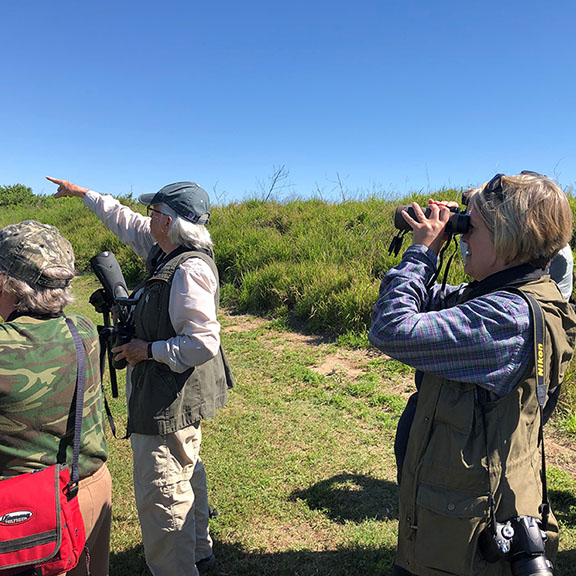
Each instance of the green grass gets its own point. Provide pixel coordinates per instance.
(307, 261)
(300, 462)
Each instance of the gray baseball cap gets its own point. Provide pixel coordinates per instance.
(29, 249)
(187, 199)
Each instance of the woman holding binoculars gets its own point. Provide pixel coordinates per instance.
(472, 497)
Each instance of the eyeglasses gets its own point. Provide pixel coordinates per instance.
(149, 211)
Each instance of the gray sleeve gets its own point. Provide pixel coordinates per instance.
(561, 271)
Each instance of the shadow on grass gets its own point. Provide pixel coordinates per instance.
(343, 498)
(128, 562)
(565, 562)
(233, 561)
(352, 497)
(564, 506)
(343, 562)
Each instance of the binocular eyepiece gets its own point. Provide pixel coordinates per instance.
(457, 224)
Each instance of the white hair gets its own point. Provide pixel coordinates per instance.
(49, 301)
(185, 233)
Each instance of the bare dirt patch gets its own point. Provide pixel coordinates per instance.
(348, 365)
(350, 362)
(560, 451)
(241, 322)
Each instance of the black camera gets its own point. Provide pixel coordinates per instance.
(458, 223)
(521, 541)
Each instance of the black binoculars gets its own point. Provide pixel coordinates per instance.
(458, 223)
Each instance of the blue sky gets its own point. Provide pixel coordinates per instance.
(384, 96)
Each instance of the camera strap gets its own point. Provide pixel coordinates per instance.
(538, 327)
(396, 243)
(451, 238)
(539, 335)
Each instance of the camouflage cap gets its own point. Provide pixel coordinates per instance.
(29, 249)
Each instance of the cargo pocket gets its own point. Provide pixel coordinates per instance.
(449, 525)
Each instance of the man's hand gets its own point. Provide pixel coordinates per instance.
(134, 351)
(66, 188)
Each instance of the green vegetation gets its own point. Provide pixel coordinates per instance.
(300, 462)
(15, 195)
(307, 261)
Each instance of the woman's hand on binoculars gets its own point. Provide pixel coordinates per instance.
(430, 231)
(133, 352)
(66, 188)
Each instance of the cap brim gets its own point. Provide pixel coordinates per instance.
(146, 198)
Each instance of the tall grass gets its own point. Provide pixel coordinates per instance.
(314, 261)
(310, 262)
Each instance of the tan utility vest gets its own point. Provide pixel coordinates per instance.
(445, 483)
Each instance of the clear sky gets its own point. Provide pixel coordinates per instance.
(387, 96)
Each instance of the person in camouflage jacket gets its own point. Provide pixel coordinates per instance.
(38, 369)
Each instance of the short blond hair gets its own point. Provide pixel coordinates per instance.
(529, 217)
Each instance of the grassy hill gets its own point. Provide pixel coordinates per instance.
(300, 462)
(310, 260)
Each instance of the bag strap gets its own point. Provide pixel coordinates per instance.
(79, 407)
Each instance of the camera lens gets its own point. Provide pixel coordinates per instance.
(531, 566)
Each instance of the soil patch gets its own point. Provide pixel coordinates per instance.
(348, 365)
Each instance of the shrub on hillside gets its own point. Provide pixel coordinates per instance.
(16, 195)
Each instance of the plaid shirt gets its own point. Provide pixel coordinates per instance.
(485, 341)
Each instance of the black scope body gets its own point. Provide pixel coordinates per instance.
(114, 291)
(457, 224)
(108, 271)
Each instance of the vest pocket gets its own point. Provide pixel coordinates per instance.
(456, 406)
(449, 526)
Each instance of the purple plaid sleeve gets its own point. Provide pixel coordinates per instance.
(486, 341)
